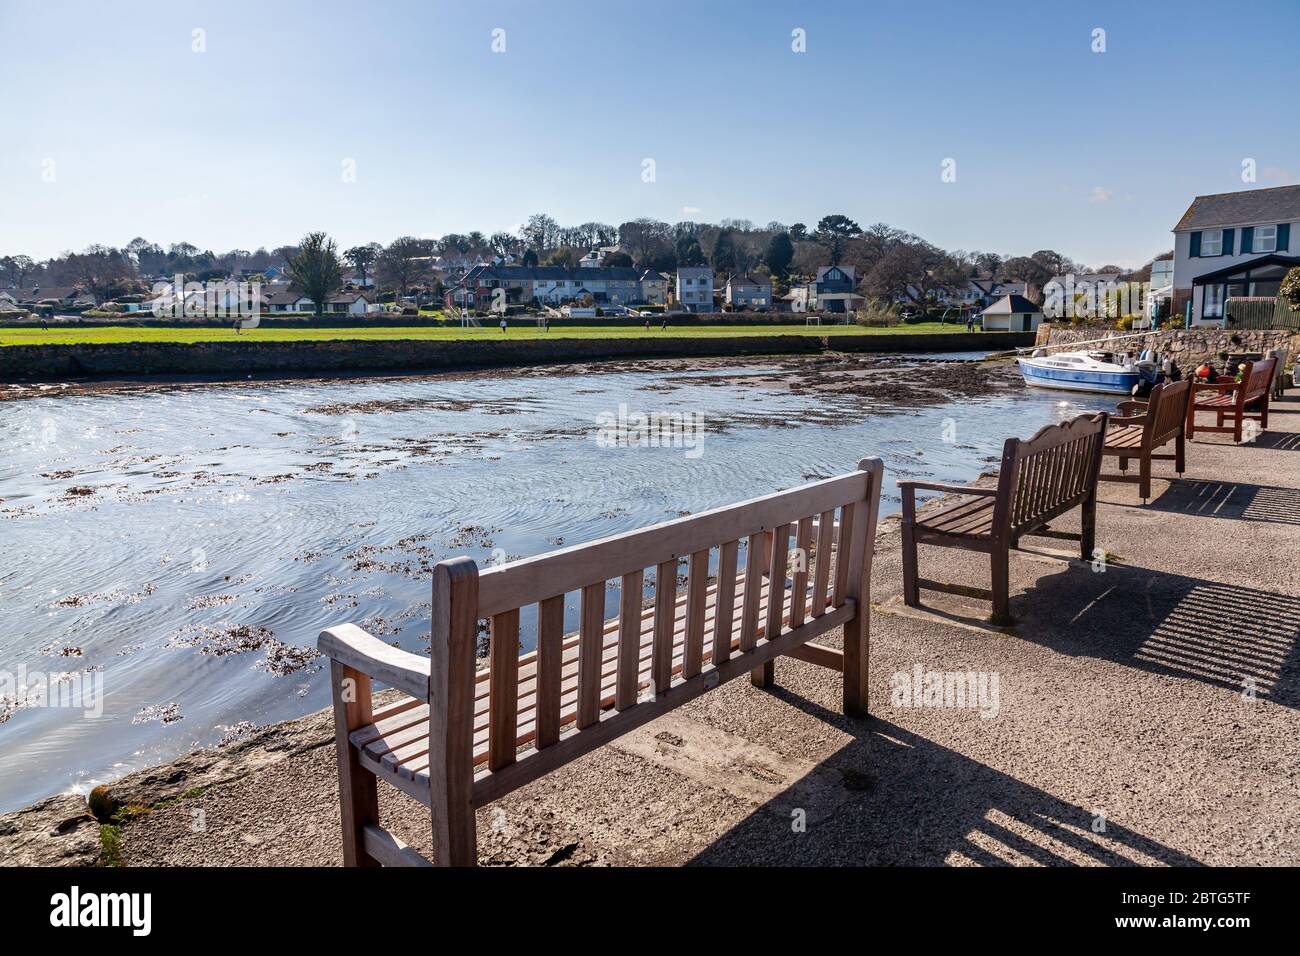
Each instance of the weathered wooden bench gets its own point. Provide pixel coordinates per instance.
(1041, 478)
(464, 735)
(1161, 419)
(1238, 401)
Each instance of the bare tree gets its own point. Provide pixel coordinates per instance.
(402, 263)
(363, 257)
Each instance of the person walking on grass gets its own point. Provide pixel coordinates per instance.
(503, 325)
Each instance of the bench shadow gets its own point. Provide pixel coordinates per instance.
(1276, 441)
(1241, 639)
(1235, 501)
(908, 801)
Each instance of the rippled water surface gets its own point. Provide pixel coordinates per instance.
(184, 547)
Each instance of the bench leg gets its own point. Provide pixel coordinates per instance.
(856, 645)
(1123, 464)
(1236, 427)
(1088, 525)
(1001, 583)
(911, 590)
(358, 791)
(763, 675)
(1180, 454)
(1144, 479)
(1263, 413)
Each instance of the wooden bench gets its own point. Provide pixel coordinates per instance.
(1161, 419)
(1041, 478)
(465, 735)
(1236, 400)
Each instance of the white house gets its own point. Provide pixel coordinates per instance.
(596, 257)
(695, 288)
(1012, 313)
(347, 303)
(287, 300)
(1233, 244)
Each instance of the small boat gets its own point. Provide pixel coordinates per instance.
(1103, 372)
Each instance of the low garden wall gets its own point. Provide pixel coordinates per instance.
(1187, 347)
(269, 358)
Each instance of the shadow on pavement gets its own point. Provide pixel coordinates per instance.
(1235, 501)
(912, 802)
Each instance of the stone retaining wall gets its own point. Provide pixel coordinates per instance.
(227, 359)
(1187, 347)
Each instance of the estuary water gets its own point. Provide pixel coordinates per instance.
(174, 551)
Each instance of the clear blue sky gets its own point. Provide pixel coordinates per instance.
(1094, 154)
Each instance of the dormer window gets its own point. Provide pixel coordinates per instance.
(1265, 239)
(1212, 242)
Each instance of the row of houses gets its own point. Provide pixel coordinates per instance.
(691, 288)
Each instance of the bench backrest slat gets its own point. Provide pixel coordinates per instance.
(755, 565)
(799, 580)
(550, 657)
(697, 592)
(1048, 474)
(503, 691)
(631, 587)
(776, 563)
(725, 598)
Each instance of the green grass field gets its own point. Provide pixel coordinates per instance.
(118, 334)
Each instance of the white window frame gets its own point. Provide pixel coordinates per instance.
(1256, 245)
(1217, 242)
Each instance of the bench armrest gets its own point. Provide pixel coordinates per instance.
(912, 486)
(361, 651)
(1122, 420)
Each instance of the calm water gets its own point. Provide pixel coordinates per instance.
(181, 549)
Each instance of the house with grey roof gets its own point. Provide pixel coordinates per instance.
(1233, 244)
(351, 302)
(1011, 313)
(288, 299)
(654, 288)
(833, 289)
(748, 292)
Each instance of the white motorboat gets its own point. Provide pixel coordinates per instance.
(1105, 372)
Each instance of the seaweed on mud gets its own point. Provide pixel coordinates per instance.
(163, 713)
(117, 596)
